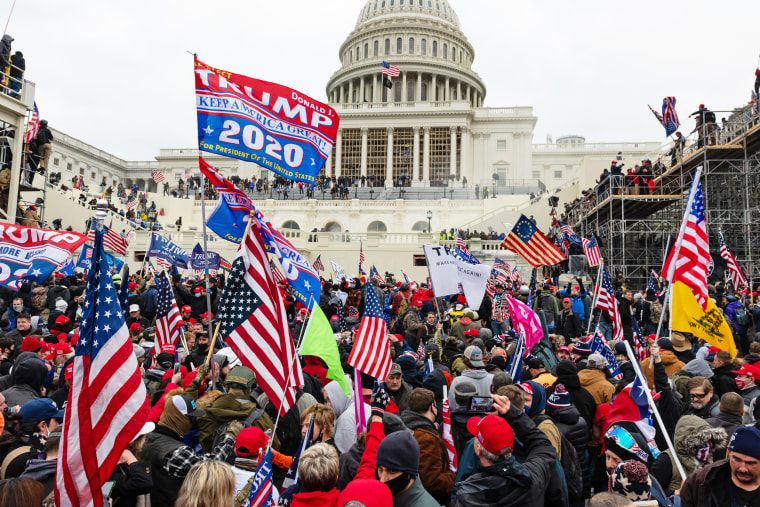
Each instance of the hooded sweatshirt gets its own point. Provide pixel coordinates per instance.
(481, 378)
(345, 419)
(28, 377)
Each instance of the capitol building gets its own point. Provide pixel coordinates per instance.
(432, 131)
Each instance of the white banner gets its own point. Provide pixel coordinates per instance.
(338, 271)
(447, 272)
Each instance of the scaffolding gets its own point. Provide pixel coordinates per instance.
(635, 230)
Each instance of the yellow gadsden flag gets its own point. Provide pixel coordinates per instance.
(710, 325)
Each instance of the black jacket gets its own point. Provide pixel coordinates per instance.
(724, 381)
(570, 423)
(44, 135)
(579, 396)
(568, 324)
(130, 482)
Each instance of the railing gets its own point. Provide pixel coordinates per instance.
(12, 86)
(612, 147)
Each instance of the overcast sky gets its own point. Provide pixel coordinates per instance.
(117, 75)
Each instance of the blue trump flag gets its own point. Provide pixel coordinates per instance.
(227, 222)
(599, 346)
(198, 261)
(85, 259)
(162, 247)
(67, 269)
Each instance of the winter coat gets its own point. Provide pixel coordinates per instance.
(28, 378)
(316, 499)
(595, 382)
(411, 324)
(723, 380)
(509, 482)
(707, 487)
(462, 325)
(568, 324)
(576, 430)
(31, 218)
(669, 360)
(548, 303)
(481, 378)
(693, 433)
(434, 471)
(579, 396)
(401, 397)
(729, 422)
(43, 471)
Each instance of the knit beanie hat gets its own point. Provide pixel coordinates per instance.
(400, 452)
(369, 492)
(558, 399)
(631, 479)
(582, 348)
(566, 367)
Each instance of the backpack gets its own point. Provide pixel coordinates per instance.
(709, 117)
(742, 317)
(403, 305)
(655, 311)
(571, 465)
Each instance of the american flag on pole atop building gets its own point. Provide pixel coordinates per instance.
(168, 318)
(112, 240)
(737, 278)
(361, 255)
(390, 70)
(34, 124)
(371, 353)
(254, 323)
(694, 254)
(157, 176)
(107, 404)
(607, 302)
(669, 116)
(591, 249)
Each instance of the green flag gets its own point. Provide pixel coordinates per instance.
(319, 341)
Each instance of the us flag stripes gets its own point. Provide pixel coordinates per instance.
(390, 70)
(157, 176)
(168, 318)
(669, 117)
(737, 278)
(608, 303)
(112, 240)
(254, 324)
(448, 438)
(131, 203)
(371, 353)
(591, 249)
(278, 276)
(33, 126)
(361, 256)
(107, 403)
(694, 255)
(318, 264)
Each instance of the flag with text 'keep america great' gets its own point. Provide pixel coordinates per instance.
(273, 126)
(254, 323)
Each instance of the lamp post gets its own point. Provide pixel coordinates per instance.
(429, 216)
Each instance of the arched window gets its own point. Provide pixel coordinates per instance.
(333, 227)
(366, 51)
(453, 53)
(377, 226)
(397, 92)
(411, 45)
(291, 224)
(357, 53)
(377, 48)
(435, 48)
(392, 3)
(387, 46)
(445, 50)
(423, 91)
(423, 47)
(398, 46)
(420, 227)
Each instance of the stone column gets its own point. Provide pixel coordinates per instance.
(477, 165)
(466, 162)
(432, 93)
(328, 165)
(467, 92)
(416, 157)
(389, 160)
(487, 169)
(403, 87)
(459, 90)
(338, 147)
(350, 91)
(447, 91)
(375, 98)
(453, 157)
(340, 99)
(361, 90)
(426, 156)
(365, 130)
(418, 88)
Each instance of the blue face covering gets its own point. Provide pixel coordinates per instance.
(539, 399)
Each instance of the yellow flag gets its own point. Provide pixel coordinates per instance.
(710, 325)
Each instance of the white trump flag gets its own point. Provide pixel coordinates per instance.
(447, 272)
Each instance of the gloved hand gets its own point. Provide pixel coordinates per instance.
(234, 428)
(379, 400)
(202, 371)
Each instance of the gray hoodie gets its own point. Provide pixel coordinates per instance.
(481, 378)
(699, 367)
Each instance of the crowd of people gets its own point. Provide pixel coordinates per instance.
(564, 432)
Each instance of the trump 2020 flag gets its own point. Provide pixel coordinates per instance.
(262, 488)
(107, 404)
(599, 346)
(163, 248)
(276, 127)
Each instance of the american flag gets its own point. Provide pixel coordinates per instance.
(341, 313)
(376, 275)
(459, 243)
(406, 278)
(514, 368)
(607, 301)
(490, 288)
(131, 203)
(318, 264)
(34, 124)
(532, 286)
(168, 319)
(591, 249)
(112, 240)
(639, 342)
(651, 283)
(498, 263)
(516, 276)
(570, 234)
(737, 278)
(254, 323)
(371, 353)
(361, 255)
(669, 116)
(162, 262)
(261, 487)
(278, 276)
(390, 70)
(694, 255)
(531, 244)
(107, 404)
(658, 116)
(448, 438)
(501, 276)
(157, 176)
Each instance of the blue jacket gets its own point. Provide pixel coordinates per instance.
(579, 305)
(150, 296)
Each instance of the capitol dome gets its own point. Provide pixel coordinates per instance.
(424, 39)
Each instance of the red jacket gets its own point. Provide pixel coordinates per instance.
(317, 499)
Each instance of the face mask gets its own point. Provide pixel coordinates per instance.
(202, 346)
(18, 308)
(740, 384)
(198, 295)
(398, 484)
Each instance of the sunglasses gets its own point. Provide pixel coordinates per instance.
(697, 396)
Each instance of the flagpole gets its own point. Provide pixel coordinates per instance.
(643, 380)
(596, 296)
(205, 249)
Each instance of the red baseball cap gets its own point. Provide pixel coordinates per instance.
(749, 370)
(59, 349)
(62, 320)
(493, 433)
(132, 285)
(135, 327)
(250, 441)
(472, 332)
(198, 289)
(565, 348)
(204, 315)
(68, 373)
(186, 309)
